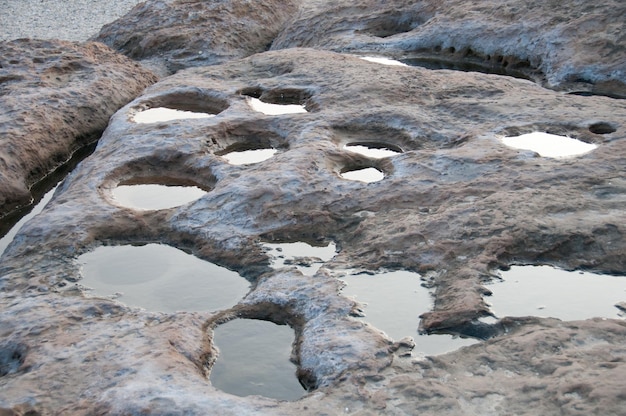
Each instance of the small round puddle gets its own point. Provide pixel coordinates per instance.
(545, 291)
(549, 145)
(383, 61)
(161, 278)
(254, 360)
(248, 157)
(307, 258)
(274, 109)
(373, 151)
(160, 114)
(393, 302)
(367, 175)
(154, 196)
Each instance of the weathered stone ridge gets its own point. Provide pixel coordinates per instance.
(178, 34)
(56, 97)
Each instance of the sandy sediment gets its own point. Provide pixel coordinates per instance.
(74, 20)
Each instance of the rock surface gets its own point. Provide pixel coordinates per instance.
(578, 47)
(57, 96)
(175, 34)
(574, 47)
(454, 205)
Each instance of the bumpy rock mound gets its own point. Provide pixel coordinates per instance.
(577, 46)
(183, 33)
(453, 205)
(56, 97)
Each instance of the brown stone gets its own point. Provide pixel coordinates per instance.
(56, 97)
(455, 205)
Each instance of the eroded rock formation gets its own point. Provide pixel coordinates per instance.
(454, 205)
(175, 34)
(56, 97)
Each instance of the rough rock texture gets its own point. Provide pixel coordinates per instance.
(177, 34)
(578, 46)
(454, 206)
(56, 97)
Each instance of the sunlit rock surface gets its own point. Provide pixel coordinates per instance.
(455, 205)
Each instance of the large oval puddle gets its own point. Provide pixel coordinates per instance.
(155, 196)
(393, 302)
(549, 145)
(545, 291)
(254, 360)
(161, 278)
(162, 114)
(305, 257)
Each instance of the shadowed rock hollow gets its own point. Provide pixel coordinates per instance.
(455, 204)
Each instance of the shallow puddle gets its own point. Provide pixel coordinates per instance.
(367, 175)
(154, 196)
(254, 360)
(159, 114)
(374, 152)
(549, 292)
(307, 258)
(161, 278)
(549, 145)
(10, 235)
(275, 109)
(382, 60)
(247, 157)
(393, 303)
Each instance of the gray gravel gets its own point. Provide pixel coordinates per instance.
(75, 20)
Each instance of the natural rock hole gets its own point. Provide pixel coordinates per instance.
(160, 278)
(181, 105)
(275, 109)
(373, 150)
(549, 145)
(305, 257)
(393, 302)
(155, 196)
(250, 156)
(601, 128)
(367, 175)
(160, 114)
(277, 102)
(549, 292)
(254, 359)
(468, 62)
(12, 356)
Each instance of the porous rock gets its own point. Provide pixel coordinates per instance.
(576, 46)
(57, 96)
(454, 205)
